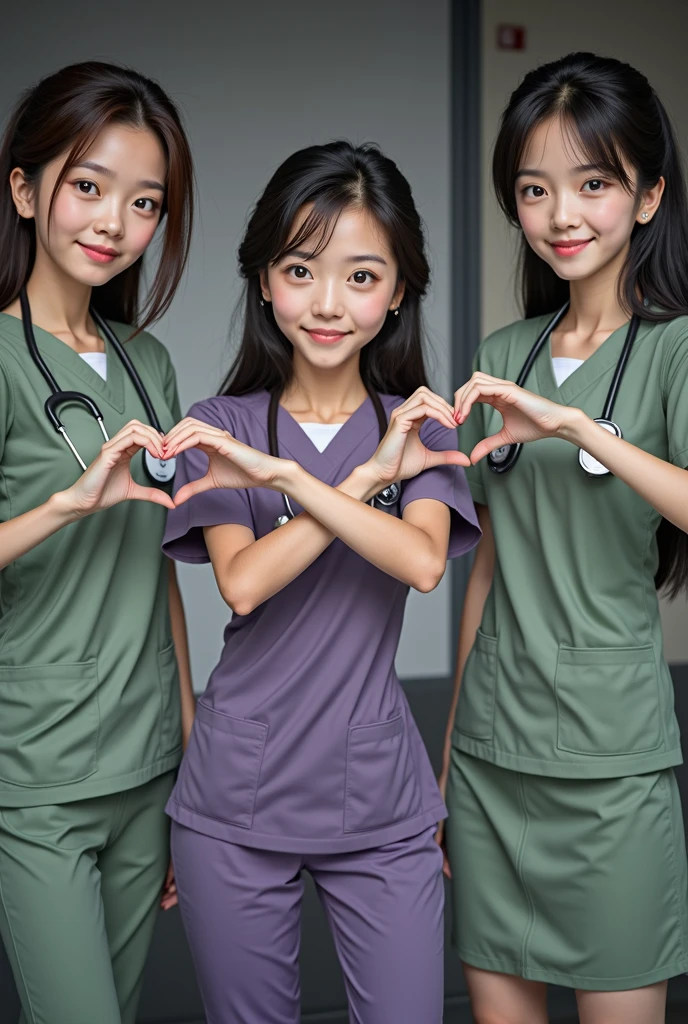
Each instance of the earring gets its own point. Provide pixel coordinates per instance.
(262, 302)
(396, 311)
(645, 215)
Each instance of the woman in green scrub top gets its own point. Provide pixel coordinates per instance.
(92, 635)
(565, 841)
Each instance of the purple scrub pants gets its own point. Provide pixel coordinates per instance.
(241, 911)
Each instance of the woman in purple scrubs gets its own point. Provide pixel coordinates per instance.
(304, 754)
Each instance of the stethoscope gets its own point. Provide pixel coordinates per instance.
(158, 471)
(385, 500)
(501, 460)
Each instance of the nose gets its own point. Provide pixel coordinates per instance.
(565, 213)
(109, 220)
(327, 301)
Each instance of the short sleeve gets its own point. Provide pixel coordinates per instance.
(183, 538)
(6, 406)
(675, 389)
(470, 433)
(448, 485)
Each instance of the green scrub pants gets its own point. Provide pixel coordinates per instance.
(80, 886)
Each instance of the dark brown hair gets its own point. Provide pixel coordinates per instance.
(616, 116)
(63, 115)
(331, 178)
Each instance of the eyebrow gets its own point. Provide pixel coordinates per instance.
(365, 258)
(99, 169)
(530, 172)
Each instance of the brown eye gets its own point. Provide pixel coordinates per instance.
(300, 273)
(362, 277)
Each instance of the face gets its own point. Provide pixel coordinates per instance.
(107, 209)
(332, 305)
(576, 217)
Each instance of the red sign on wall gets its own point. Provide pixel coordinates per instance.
(511, 37)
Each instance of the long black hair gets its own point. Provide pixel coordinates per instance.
(329, 179)
(62, 115)
(618, 120)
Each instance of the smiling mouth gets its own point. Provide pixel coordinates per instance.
(99, 253)
(325, 337)
(570, 247)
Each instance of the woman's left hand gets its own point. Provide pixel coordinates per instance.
(526, 416)
(231, 464)
(401, 454)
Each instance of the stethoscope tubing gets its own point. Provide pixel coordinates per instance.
(508, 461)
(58, 397)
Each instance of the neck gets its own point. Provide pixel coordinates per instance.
(595, 305)
(59, 304)
(325, 395)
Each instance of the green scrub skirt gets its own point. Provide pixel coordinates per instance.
(574, 882)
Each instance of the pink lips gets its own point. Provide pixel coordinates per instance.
(323, 337)
(99, 253)
(570, 247)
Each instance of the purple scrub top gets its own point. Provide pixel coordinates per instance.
(303, 740)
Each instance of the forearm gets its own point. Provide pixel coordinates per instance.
(662, 485)
(398, 548)
(266, 566)
(181, 648)
(17, 536)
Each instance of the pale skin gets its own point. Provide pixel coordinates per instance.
(562, 199)
(328, 307)
(111, 200)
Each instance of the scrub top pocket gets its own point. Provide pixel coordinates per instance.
(49, 723)
(381, 778)
(608, 700)
(221, 769)
(475, 711)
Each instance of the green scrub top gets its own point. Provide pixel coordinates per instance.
(89, 689)
(567, 675)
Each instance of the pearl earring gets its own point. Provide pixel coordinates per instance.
(396, 311)
(645, 215)
(262, 302)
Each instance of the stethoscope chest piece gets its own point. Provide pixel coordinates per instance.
(160, 471)
(590, 464)
(502, 459)
(280, 521)
(389, 496)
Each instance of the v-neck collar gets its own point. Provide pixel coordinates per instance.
(55, 351)
(584, 376)
(294, 439)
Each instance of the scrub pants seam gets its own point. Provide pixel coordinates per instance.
(680, 907)
(119, 827)
(16, 952)
(520, 857)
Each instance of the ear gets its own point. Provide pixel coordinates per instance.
(399, 293)
(23, 194)
(649, 203)
(264, 286)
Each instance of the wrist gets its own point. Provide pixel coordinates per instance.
(365, 482)
(288, 476)
(62, 507)
(574, 426)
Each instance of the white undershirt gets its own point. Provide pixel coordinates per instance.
(321, 433)
(97, 361)
(563, 367)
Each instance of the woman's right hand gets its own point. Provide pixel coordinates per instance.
(401, 454)
(108, 479)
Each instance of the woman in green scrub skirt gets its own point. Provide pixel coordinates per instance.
(565, 841)
(92, 637)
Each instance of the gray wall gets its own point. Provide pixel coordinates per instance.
(255, 82)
